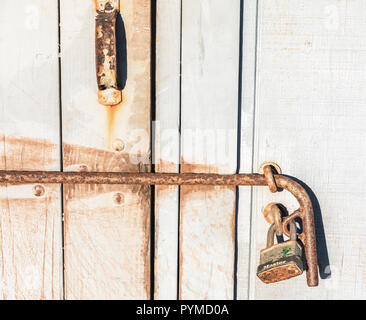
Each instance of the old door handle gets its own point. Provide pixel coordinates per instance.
(106, 53)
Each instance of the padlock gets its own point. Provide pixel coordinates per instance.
(280, 261)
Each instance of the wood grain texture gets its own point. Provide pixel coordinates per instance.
(310, 112)
(30, 226)
(246, 144)
(210, 63)
(167, 143)
(107, 228)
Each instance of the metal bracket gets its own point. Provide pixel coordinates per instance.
(274, 181)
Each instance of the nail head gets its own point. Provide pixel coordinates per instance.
(118, 198)
(118, 145)
(38, 190)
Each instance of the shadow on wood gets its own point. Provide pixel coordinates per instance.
(321, 243)
(121, 47)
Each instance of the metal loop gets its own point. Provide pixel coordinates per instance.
(268, 174)
(279, 227)
(273, 230)
(291, 218)
(293, 233)
(272, 214)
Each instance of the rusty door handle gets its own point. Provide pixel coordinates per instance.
(106, 53)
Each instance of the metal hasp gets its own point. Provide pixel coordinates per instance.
(106, 53)
(274, 181)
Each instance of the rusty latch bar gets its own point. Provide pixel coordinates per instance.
(274, 181)
(106, 52)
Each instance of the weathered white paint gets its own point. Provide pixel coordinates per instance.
(168, 36)
(210, 52)
(309, 118)
(30, 226)
(107, 228)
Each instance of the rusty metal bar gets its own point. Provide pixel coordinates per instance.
(19, 177)
(106, 52)
(305, 212)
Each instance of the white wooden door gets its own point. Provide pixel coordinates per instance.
(237, 82)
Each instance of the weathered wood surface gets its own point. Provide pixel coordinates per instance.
(302, 106)
(209, 109)
(167, 142)
(309, 118)
(30, 225)
(107, 228)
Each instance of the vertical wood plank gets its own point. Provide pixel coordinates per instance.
(210, 63)
(107, 228)
(310, 119)
(246, 144)
(30, 225)
(167, 146)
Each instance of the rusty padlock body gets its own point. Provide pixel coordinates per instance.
(280, 261)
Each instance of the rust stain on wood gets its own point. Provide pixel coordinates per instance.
(112, 112)
(30, 223)
(31, 154)
(166, 166)
(188, 167)
(102, 160)
(26, 154)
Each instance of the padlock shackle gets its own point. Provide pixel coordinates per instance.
(272, 231)
(272, 214)
(270, 235)
(293, 233)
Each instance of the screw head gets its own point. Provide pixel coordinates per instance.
(38, 190)
(83, 168)
(118, 145)
(118, 198)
